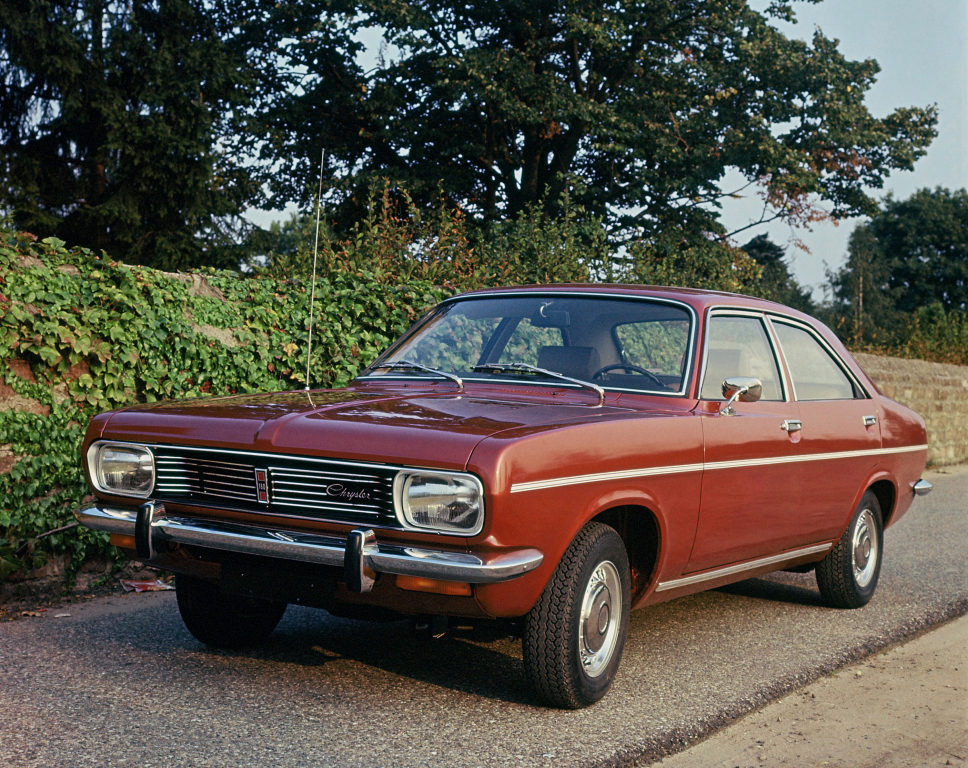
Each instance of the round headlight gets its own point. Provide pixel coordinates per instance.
(442, 502)
(127, 470)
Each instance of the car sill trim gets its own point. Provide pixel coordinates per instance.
(731, 570)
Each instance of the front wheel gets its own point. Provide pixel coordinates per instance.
(221, 620)
(848, 575)
(575, 634)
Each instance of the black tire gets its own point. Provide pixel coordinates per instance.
(562, 662)
(225, 621)
(848, 575)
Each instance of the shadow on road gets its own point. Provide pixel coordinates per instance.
(478, 659)
(780, 587)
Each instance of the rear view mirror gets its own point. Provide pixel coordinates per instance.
(551, 318)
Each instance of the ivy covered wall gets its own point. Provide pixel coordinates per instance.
(81, 334)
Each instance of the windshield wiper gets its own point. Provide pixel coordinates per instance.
(525, 368)
(406, 365)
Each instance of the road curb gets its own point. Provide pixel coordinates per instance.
(681, 739)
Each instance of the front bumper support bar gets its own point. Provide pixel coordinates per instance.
(359, 554)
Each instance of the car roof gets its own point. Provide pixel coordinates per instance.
(697, 298)
(700, 300)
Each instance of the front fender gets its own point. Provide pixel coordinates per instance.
(546, 485)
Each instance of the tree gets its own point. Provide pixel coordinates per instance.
(111, 118)
(923, 242)
(638, 107)
(776, 282)
(910, 255)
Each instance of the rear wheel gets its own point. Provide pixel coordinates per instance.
(575, 634)
(222, 620)
(848, 575)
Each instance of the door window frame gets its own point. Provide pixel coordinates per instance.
(778, 360)
(859, 388)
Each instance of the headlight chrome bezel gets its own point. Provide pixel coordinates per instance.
(94, 467)
(401, 500)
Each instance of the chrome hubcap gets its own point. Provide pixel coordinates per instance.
(864, 548)
(601, 616)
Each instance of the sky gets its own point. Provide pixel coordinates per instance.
(922, 49)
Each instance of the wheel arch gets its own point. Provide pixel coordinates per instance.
(640, 531)
(883, 485)
(885, 489)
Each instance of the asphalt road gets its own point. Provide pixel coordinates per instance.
(120, 682)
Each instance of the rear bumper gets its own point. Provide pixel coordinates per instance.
(357, 554)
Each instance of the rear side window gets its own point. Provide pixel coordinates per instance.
(816, 375)
(739, 346)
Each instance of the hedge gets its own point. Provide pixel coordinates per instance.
(81, 334)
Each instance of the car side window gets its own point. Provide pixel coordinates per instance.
(526, 342)
(815, 374)
(739, 346)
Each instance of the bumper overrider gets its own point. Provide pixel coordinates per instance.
(359, 554)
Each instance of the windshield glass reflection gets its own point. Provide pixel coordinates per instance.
(616, 343)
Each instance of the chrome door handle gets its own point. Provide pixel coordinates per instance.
(792, 425)
(870, 421)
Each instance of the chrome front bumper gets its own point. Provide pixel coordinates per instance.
(359, 554)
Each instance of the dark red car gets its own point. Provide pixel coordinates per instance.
(563, 454)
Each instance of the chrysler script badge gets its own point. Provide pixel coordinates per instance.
(262, 486)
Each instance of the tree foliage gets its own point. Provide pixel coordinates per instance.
(145, 127)
(81, 334)
(911, 255)
(394, 239)
(638, 107)
(923, 244)
(776, 283)
(111, 118)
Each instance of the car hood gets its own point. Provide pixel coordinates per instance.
(422, 428)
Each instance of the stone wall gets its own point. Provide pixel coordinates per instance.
(937, 391)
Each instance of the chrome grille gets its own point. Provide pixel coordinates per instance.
(325, 489)
(204, 478)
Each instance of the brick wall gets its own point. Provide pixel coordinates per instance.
(938, 392)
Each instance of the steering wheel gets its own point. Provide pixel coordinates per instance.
(629, 367)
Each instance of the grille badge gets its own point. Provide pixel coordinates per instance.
(262, 486)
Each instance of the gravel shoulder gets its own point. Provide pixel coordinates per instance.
(903, 707)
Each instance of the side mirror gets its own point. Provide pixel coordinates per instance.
(746, 389)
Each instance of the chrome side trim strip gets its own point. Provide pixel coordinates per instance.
(535, 485)
(318, 548)
(625, 474)
(813, 457)
(731, 570)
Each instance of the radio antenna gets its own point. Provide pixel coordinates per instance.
(312, 294)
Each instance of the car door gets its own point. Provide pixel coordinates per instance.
(751, 478)
(840, 436)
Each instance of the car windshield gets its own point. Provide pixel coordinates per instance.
(617, 343)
